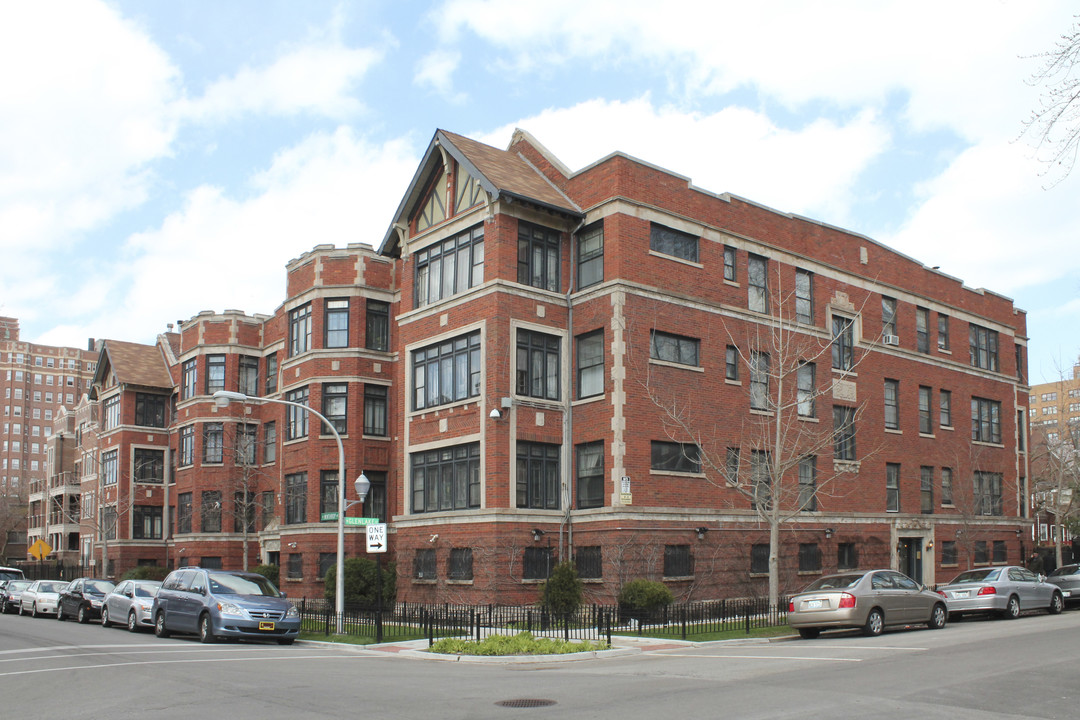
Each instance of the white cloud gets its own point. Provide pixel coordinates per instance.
(435, 70)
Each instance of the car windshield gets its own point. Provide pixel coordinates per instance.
(99, 586)
(18, 585)
(11, 574)
(974, 576)
(51, 587)
(834, 581)
(1066, 570)
(146, 590)
(225, 584)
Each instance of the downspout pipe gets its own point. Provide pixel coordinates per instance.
(566, 528)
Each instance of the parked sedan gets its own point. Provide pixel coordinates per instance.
(41, 598)
(1005, 591)
(130, 602)
(868, 599)
(82, 599)
(1067, 578)
(12, 595)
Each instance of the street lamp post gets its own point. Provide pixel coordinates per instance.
(222, 398)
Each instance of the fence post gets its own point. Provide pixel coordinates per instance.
(747, 619)
(326, 628)
(684, 614)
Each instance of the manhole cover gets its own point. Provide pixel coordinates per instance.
(525, 703)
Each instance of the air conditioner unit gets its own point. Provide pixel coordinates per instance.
(891, 339)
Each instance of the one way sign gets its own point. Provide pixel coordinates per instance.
(376, 538)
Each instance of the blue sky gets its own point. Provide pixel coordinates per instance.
(164, 158)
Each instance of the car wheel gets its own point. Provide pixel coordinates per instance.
(809, 633)
(84, 614)
(1012, 609)
(285, 641)
(206, 629)
(60, 613)
(105, 621)
(1057, 604)
(133, 622)
(938, 617)
(159, 625)
(33, 610)
(875, 623)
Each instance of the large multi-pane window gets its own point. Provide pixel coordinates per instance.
(271, 373)
(674, 348)
(948, 552)
(757, 283)
(987, 493)
(446, 372)
(450, 267)
(590, 256)
(843, 432)
(183, 513)
(804, 296)
(377, 326)
(590, 474)
(892, 487)
(846, 556)
(589, 561)
(187, 445)
(150, 410)
(537, 563)
(983, 347)
(538, 256)
(336, 323)
(460, 565)
(926, 425)
(446, 478)
(985, 420)
(673, 242)
(111, 413)
(538, 360)
(335, 404)
(375, 410)
(843, 342)
(922, 330)
(808, 483)
(945, 408)
(295, 498)
(892, 404)
(300, 330)
(926, 489)
(675, 457)
(215, 373)
(149, 465)
(424, 564)
(538, 475)
(249, 375)
(210, 517)
(297, 417)
(146, 522)
(759, 558)
(110, 467)
(213, 442)
(806, 389)
(888, 315)
(678, 561)
(590, 364)
(809, 557)
(188, 379)
(759, 380)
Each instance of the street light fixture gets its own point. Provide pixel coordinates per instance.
(222, 398)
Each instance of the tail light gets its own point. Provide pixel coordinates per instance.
(791, 606)
(988, 590)
(847, 600)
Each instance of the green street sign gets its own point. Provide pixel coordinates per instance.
(328, 516)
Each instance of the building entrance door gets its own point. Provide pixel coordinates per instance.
(910, 558)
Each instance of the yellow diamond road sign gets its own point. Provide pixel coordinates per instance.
(40, 550)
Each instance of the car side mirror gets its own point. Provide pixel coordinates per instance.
(1042, 578)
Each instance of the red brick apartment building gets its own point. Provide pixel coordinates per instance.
(609, 366)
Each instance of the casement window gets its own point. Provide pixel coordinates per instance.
(245, 505)
(731, 363)
(295, 566)
(271, 374)
(446, 372)
(807, 389)
(215, 373)
(149, 465)
(987, 493)
(450, 267)
(335, 406)
(150, 410)
(590, 474)
(183, 513)
(1000, 554)
(804, 296)
(111, 413)
(538, 256)
(213, 443)
(843, 342)
(759, 380)
(375, 410)
(843, 432)
(888, 315)
(922, 330)
(757, 283)
(892, 404)
(926, 424)
(377, 327)
(328, 492)
(669, 241)
(846, 556)
(590, 256)
(942, 332)
(187, 445)
(809, 557)
(249, 375)
(729, 264)
(246, 444)
(210, 517)
(269, 442)
(589, 561)
(336, 323)
(892, 487)
(326, 561)
(761, 479)
(538, 361)
(759, 559)
(297, 417)
(446, 478)
(590, 364)
(985, 420)
(424, 564)
(300, 330)
(675, 457)
(375, 504)
(110, 467)
(926, 489)
(948, 552)
(678, 561)
(946, 486)
(538, 475)
(808, 483)
(981, 557)
(295, 498)
(945, 408)
(460, 564)
(537, 563)
(983, 347)
(731, 465)
(1020, 364)
(674, 348)
(146, 522)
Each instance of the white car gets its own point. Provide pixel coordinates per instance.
(41, 598)
(130, 603)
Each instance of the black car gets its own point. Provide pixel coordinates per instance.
(82, 599)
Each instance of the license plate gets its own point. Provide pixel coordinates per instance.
(266, 626)
(960, 593)
(813, 604)
(1066, 593)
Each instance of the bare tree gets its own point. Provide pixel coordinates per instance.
(13, 508)
(1055, 462)
(1055, 124)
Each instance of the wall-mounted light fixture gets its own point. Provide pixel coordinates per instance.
(929, 544)
(495, 414)
(701, 532)
(292, 545)
(1019, 532)
(501, 411)
(537, 534)
(828, 532)
(433, 538)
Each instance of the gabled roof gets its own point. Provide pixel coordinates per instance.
(501, 173)
(132, 364)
